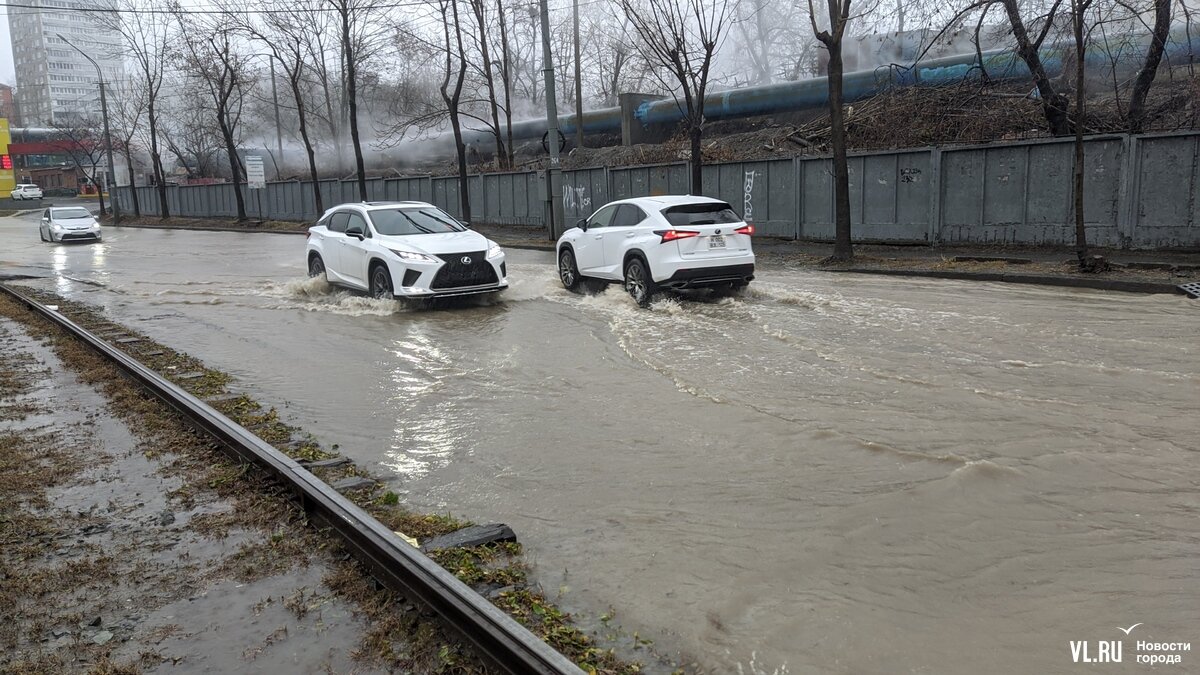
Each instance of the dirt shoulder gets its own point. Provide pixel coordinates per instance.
(130, 542)
(214, 224)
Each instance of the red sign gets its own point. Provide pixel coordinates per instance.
(5, 161)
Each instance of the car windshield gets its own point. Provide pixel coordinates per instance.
(708, 213)
(414, 220)
(71, 213)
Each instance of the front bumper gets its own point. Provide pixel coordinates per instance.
(443, 279)
(92, 234)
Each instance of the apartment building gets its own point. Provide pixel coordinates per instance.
(54, 81)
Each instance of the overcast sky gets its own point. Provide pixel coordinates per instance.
(7, 75)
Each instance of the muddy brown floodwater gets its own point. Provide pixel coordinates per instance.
(833, 473)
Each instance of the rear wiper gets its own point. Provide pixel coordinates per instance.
(704, 222)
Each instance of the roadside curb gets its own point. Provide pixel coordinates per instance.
(246, 230)
(1040, 280)
(528, 247)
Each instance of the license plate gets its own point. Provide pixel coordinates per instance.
(716, 241)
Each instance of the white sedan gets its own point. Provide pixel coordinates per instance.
(403, 250)
(650, 243)
(69, 223)
(26, 191)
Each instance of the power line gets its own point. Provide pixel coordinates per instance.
(39, 9)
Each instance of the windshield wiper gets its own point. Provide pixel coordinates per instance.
(415, 223)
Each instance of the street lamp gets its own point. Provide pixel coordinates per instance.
(107, 136)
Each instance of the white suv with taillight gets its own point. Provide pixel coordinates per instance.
(649, 243)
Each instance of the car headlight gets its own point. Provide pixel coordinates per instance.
(495, 251)
(55, 226)
(414, 257)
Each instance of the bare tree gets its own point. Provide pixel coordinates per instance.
(211, 55)
(682, 37)
(287, 35)
(358, 29)
(80, 136)
(838, 17)
(1145, 76)
(479, 10)
(456, 69)
(146, 38)
(1054, 104)
(506, 81)
(127, 113)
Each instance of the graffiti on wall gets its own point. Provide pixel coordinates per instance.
(576, 199)
(748, 197)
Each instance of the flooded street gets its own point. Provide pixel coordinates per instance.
(843, 474)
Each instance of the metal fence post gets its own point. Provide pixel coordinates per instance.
(798, 182)
(1126, 192)
(935, 196)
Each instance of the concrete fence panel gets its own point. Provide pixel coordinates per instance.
(889, 197)
(763, 193)
(647, 181)
(584, 191)
(1166, 204)
(1022, 193)
(1139, 191)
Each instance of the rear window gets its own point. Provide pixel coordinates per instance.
(711, 213)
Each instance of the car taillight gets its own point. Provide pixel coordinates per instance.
(748, 228)
(672, 235)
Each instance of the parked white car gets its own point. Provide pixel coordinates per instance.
(26, 191)
(69, 223)
(651, 243)
(403, 250)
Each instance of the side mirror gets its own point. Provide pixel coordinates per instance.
(464, 224)
(581, 224)
(356, 233)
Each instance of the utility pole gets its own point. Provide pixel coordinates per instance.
(278, 128)
(578, 83)
(111, 175)
(553, 173)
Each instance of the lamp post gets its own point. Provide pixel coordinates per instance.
(553, 174)
(108, 179)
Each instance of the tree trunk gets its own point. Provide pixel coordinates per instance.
(137, 207)
(1054, 105)
(489, 79)
(695, 134)
(452, 103)
(1081, 248)
(235, 169)
(842, 248)
(302, 119)
(1145, 76)
(352, 100)
(160, 180)
(99, 195)
(506, 76)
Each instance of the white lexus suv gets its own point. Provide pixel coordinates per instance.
(650, 243)
(403, 250)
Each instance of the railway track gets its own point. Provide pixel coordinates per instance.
(499, 639)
